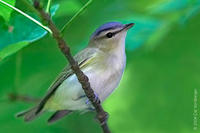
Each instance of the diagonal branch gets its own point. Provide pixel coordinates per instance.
(83, 79)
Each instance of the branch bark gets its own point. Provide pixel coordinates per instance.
(83, 79)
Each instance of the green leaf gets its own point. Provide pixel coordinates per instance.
(6, 11)
(20, 29)
(54, 9)
(19, 33)
(12, 49)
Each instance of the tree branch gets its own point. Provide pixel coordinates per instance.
(83, 79)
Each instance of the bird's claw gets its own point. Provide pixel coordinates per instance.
(96, 99)
(87, 101)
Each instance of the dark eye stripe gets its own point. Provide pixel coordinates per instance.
(99, 32)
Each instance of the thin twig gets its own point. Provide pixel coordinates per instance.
(48, 6)
(23, 98)
(76, 15)
(83, 79)
(27, 16)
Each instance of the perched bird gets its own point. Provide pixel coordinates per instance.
(103, 61)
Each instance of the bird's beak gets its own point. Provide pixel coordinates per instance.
(128, 26)
(125, 27)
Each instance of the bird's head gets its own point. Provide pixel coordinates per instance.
(110, 35)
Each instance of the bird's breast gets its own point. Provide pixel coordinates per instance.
(105, 74)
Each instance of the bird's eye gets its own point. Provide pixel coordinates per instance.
(109, 35)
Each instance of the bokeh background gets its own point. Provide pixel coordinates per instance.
(162, 77)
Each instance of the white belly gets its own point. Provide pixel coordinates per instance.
(103, 82)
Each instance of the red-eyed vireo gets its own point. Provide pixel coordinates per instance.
(103, 61)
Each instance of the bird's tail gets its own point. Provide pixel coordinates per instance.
(29, 114)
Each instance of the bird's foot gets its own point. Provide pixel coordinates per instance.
(96, 99)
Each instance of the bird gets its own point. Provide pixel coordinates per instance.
(103, 61)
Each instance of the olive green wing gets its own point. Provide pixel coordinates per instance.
(83, 58)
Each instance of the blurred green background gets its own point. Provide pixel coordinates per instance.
(156, 94)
